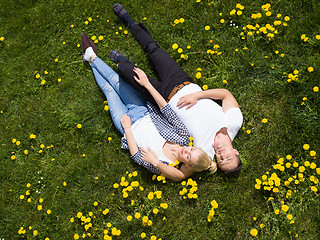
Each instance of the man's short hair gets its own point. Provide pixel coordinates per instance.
(236, 171)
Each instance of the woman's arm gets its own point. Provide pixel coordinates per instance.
(166, 170)
(143, 80)
(126, 124)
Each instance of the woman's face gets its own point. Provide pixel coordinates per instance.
(189, 155)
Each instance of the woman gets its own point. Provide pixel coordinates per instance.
(153, 145)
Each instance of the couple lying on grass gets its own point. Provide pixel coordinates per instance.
(157, 118)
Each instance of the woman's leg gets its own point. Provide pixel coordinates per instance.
(116, 107)
(122, 98)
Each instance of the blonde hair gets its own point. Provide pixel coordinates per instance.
(204, 163)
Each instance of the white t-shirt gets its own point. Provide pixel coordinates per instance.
(206, 118)
(146, 135)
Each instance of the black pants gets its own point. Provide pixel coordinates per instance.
(169, 71)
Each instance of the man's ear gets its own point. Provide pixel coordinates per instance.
(236, 152)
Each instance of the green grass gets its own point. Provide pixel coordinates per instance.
(89, 163)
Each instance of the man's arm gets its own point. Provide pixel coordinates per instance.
(228, 100)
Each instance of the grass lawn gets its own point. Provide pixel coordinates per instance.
(63, 174)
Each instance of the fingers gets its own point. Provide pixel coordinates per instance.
(182, 103)
(189, 106)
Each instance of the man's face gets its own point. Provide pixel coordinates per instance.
(226, 157)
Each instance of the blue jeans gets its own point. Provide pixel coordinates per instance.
(122, 98)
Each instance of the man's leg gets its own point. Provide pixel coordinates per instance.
(169, 71)
(125, 68)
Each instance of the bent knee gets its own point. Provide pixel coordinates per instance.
(151, 47)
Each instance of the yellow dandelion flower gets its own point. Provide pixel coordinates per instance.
(79, 126)
(287, 18)
(310, 69)
(284, 208)
(233, 12)
(312, 153)
(254, 232)
(205, 87)
(175, 46)
(207, 28)
(316, 89)
(222, 20)
(198, 75)
(105, 212)
(150, 195)
(214, 204)
(306, 146)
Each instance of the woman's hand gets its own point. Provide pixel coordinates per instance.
(142, 78)
(125, 121)
(149, 156)
(188, 100)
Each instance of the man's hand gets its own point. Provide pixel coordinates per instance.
(125, 121)
(142, 78)
(188, 100)
(149, 156)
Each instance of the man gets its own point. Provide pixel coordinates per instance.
(213, 127)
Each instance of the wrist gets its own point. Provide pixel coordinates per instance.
(156, 163)
(148, 85)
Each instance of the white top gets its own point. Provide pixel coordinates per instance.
(146, 135)
(206, 118)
